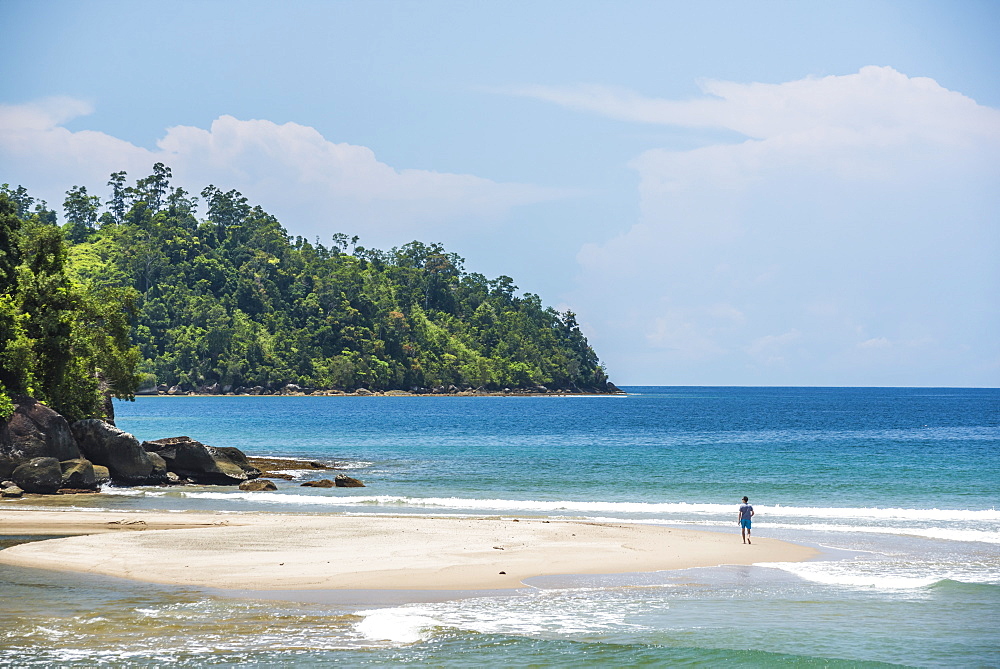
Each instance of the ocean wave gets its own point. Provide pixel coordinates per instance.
(395, 625)
(880, 575)
(945, 533)
(891, 574)
(774, 515)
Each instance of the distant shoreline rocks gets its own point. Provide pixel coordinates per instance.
(293, 390)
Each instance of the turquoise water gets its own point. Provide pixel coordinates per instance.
(897, 486)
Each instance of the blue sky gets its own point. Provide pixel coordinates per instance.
(745, 193)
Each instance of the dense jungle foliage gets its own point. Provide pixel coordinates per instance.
(231, 299)
(64, 343)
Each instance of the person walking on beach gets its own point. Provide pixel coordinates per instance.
(746, 513)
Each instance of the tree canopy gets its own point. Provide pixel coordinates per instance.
(232, 299)
(66, 344)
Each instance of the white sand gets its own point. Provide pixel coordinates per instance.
(297, 552)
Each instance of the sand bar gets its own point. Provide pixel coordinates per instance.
(301, 552)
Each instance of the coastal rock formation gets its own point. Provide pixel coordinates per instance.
(343, 481)
(34, 431)
(240, 458)
(194, 460)
(11, 491)
(38, 475)
(258, 485)
(127, 462)
(102, 474)
(78, 474)
(322, 483)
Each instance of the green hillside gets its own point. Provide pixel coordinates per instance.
(225, 296)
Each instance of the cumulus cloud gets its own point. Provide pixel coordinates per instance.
(314, 185)
(872, 101)
(857, 203)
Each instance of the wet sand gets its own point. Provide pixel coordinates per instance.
(304, 552)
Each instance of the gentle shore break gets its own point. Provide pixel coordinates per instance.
(299, 551)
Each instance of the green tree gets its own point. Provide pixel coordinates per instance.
(60, 343)
(81, 213)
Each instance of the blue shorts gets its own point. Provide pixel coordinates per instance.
(745, 523)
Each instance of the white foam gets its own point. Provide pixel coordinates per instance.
(680, 508)
(395, 625)
(539, 613)
(881, 513)
(945, 533)
(853, 574)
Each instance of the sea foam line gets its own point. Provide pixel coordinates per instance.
(772, 513)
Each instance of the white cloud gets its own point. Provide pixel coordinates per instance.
(313, 185)
(873, 194)
(875, 101)
(875, 342)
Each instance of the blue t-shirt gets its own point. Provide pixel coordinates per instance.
(745, 511)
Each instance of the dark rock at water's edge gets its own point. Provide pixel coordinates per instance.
(275, 468)
(240, 458)
(102, 474)
(43, 454)
(258, 485)
(127, 462)
(322, 483)
(38, 475)
(342, 481)
(78, 474)
(34, 431)
(203, 464)
(11, 491)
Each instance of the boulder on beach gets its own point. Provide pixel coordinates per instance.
(38, 475)
(343, 481)
(34, 431)
(11, 492)
(322, 483)
(78, 474)
(108, 446)
(101, 474)
(203, 464)
(258, 485)
(240, 458)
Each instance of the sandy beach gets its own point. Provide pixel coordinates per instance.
(286, 552)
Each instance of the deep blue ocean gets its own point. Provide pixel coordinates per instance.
(896, 486)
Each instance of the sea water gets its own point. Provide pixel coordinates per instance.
(897, 487)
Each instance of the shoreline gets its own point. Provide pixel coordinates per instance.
(269, 551)
(395, 393)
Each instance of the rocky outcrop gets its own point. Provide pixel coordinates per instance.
(203, 464)
(258, 485)
(78, 474)
(106, 445)
(240, 458)
(11, 491)
(38, 475)
(343, 481)
(322, 483)
(34, 431)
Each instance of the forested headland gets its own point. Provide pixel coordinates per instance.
(143, 289)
